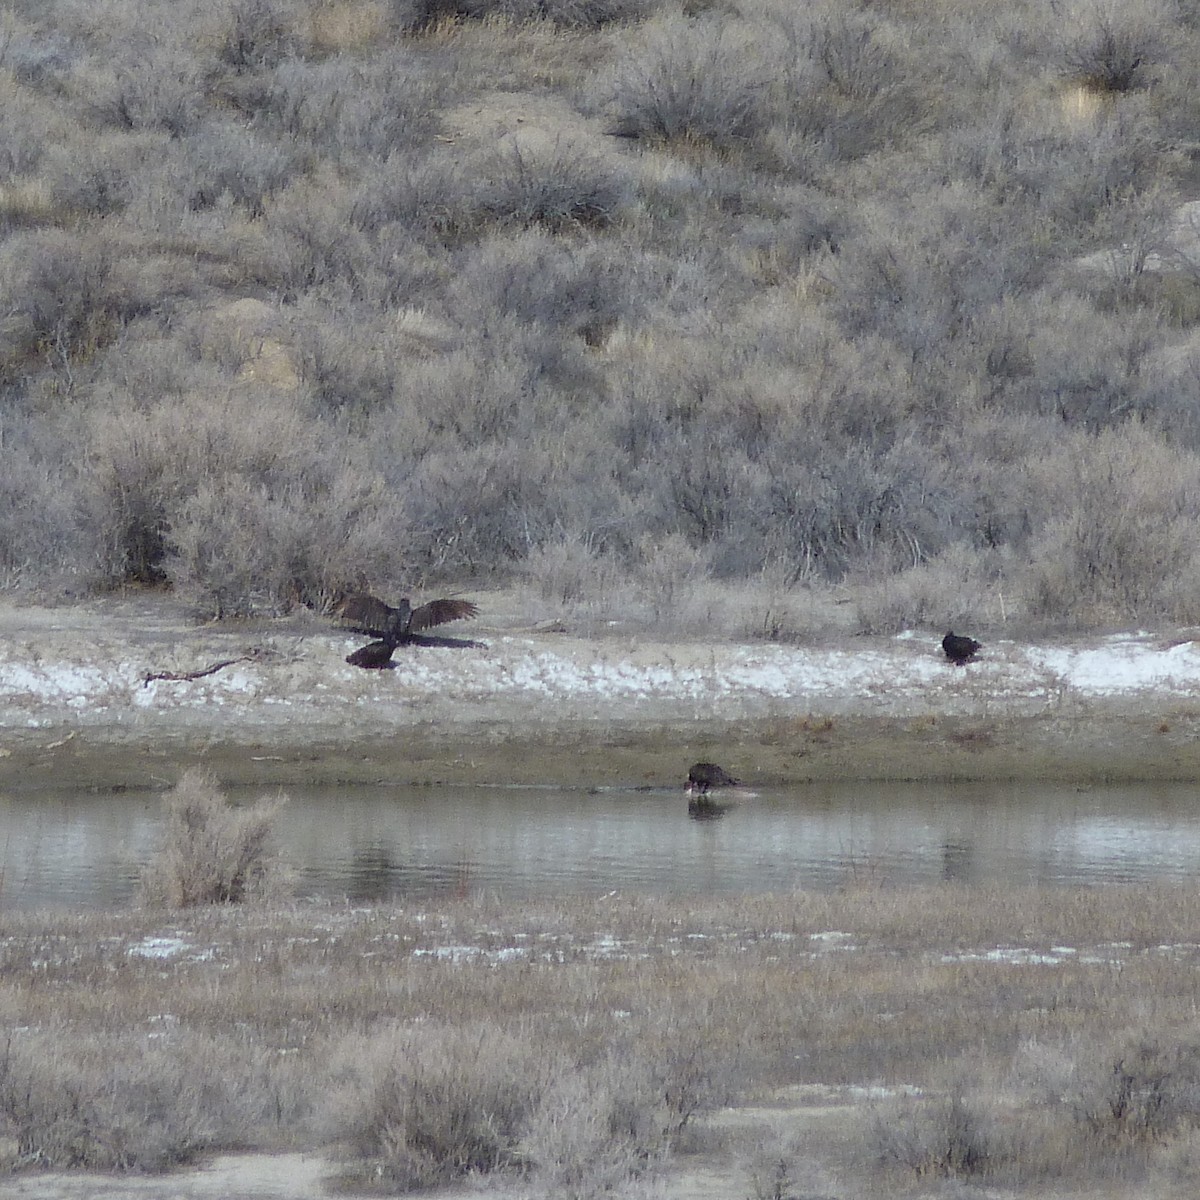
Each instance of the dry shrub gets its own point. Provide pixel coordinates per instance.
(960, 587)
(56, 297)
(153, 87)
(389, 105)
(1112, 47)
(212, 853)
(105, 1107)
(569, 14)
(670, 576)
(45, 534)
(238, 501)
(432, 1105)
(1139, 1092)
(692, 79)
(594, 1131)
(946, 1137)
(259, 34)
(228, 163)
(1124, 539)
(236, 548)
(441, 1103)
(570, 571)
(553, 183)
(141, 1097)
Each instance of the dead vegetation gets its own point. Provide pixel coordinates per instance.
(212, 853)
(1022, 1039)
(805, 280)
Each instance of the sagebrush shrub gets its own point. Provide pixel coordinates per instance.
(1141, 1092)
(156, 88)
(691, 79)
(212, 853)
(1123, 537)
(56, 297)
(228, 163)
(137, 1098)
(570, 14)
(444, 1103)
(554, 184)
(243, 508)
(595, 1130)
(259, 34)
(388, 105)
(1112, 47)
(944, 1137)
(46, 533)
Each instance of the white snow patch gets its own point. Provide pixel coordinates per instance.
(459, 954)
(732, 679)
(1013, 956)
(159, 947)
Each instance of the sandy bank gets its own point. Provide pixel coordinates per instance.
(624, 709)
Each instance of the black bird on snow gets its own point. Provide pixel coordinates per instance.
(960, 650)
(362, 613)
(374, 656)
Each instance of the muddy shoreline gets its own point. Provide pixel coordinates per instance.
(1096, 748)
(83, 705)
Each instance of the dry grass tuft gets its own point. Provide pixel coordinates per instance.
(337, 26)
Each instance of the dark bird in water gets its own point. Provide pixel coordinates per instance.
(366, 614)
(960, 650)
(705, 775)
(374, 656)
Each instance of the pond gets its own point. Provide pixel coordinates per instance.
(365, 844)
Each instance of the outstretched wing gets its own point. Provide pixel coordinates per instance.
(438, 612)
(365, 614)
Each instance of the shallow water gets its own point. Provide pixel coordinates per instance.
(64, 849)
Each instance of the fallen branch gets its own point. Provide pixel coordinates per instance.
(190, 675)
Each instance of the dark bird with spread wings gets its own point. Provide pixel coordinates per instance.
(960, 650)
(362, 613)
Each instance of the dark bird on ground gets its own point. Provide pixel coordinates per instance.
(960, 650)
(366, 614)
(374, 656)
(705, 775)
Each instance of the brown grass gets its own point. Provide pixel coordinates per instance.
(1041, 1036)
